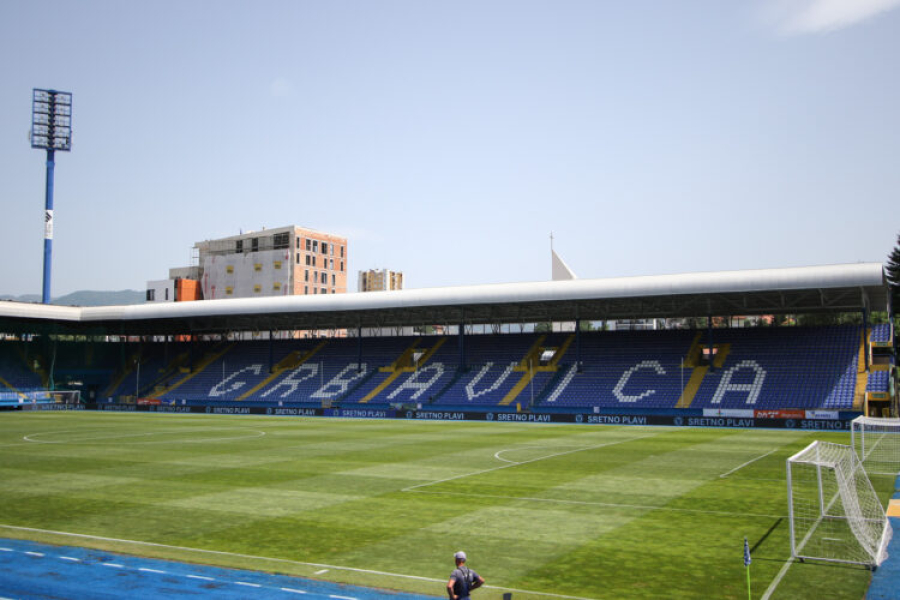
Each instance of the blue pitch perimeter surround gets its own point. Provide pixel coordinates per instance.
(886, 579)
(29, 570)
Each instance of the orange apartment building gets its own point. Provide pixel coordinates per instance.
(272, 262)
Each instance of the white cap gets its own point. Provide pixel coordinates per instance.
(460, 555)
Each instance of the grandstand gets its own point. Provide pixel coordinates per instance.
(829, 368)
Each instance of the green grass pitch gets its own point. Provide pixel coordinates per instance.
(544, 511)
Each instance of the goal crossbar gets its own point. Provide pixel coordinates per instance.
(877, 443)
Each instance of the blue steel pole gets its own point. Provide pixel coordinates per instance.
(48, 227)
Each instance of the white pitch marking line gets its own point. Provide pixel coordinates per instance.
(341, 597)
(275, 560)
(245, 583)
(35, 554)
(647, 507)
(113, 565)
(157, 571)
(200, 577)
(498, 457)
(6, 550)
(28, 438)
(525, 462)
(747, 463)
(777, 580)
(70, 558)
(322, 571)
(292, 590)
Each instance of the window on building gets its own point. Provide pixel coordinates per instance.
(315, 245)
(308, 244)
(342, 252)
(276, 286)
(254, 245)
(324, 291)
(281, 240)
(298, 242)
(239, 246)
(277, 264)
(257, 288)
(333, 279)
(315, 277)
(306, 289)
(342, 266)
(229, 269)
(315, 290)
(324, 247)
(306, 275)
(298, 259)
(332, 250)
(151, 295)
(167, 293)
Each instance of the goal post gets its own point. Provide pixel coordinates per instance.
(877, 444)
(34, 397)
(835, 514)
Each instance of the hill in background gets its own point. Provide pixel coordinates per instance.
(86, 298)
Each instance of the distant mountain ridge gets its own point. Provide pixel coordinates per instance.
(86, 298)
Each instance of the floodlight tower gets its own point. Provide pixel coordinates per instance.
(51, 130)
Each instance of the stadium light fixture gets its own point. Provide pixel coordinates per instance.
(51, 130)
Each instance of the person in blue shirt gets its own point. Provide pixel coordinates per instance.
(463, 579)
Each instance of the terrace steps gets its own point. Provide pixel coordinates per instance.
(207, 360)
(862, 376)
(698, 372)
(528, 371)
(291, 361)
(403, 364)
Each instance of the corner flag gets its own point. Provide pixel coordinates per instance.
(747, 561)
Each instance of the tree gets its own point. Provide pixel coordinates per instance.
(893, 267)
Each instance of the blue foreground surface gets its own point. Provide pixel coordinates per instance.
(886, 579)
(29, 570)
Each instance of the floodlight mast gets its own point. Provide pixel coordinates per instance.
(51, 130)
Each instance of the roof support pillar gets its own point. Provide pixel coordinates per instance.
(578, 345)
(271, 350)
(709, 342)
(358, 348)
(865, 331)
(462, 344)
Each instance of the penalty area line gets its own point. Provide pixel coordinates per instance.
(285, 561)
(642, 507)
(414, 488)
(749, 462)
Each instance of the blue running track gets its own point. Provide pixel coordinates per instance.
(886, 579)
(32, 571)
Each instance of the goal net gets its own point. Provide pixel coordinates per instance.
(834, 512)
(33, 397)
(877, 443)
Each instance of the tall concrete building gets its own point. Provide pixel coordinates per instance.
(379, 281)
(286, 261)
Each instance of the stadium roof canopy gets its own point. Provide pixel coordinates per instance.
(834, 288)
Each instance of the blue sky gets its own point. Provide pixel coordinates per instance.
(448, 139)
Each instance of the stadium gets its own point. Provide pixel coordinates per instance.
(711, 410)
(362, 439)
